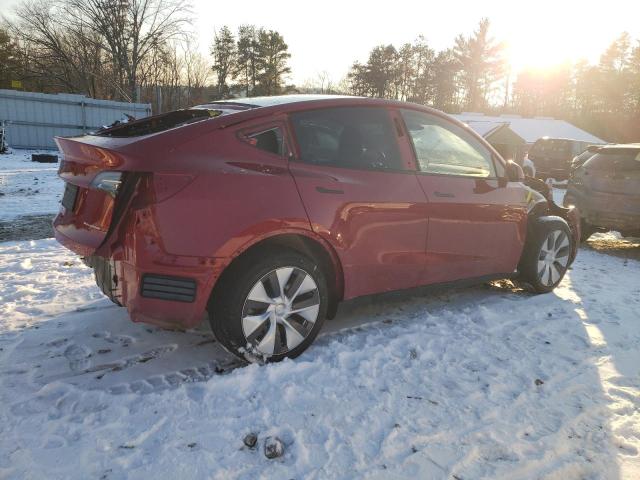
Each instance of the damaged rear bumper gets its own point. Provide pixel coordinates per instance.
(165, 297)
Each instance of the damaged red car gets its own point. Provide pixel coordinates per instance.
(262, 214)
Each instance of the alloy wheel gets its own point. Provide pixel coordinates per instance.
(554, 257)
(280, 311)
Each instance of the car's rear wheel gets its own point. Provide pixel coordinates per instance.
(269, 306)
(546, 255)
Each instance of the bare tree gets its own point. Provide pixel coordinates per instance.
(60, 54)
(130, 30)
(196, 73)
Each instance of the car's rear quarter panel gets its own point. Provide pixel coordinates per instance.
(237, 196)
(239, 192)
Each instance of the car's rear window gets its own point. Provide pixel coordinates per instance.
(360, 137)
(551, 148)
(159, 123)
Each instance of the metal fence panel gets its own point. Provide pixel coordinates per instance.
(33, 119)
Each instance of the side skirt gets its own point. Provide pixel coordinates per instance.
(426, 289)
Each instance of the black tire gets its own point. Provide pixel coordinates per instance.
(227, 303)
(538, 238)
(586, 230)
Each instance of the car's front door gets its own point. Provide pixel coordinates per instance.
(362, 195)
(477, 221)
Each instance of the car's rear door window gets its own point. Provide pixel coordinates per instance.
(444, 148)
(267, 139)
(348, 137)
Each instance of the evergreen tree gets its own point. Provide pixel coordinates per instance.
(423, 81)
(445, 81)
(633, 69)
(614, 74)
(246, 59)
(481, 63)
(271, 62)
(224, 59)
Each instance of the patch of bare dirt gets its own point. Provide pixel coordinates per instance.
(29, 227)
(623, 247)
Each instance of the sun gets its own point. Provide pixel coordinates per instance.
(538, 53)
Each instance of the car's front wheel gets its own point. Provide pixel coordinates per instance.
(546, 254)
(269, 306)
(586, 230)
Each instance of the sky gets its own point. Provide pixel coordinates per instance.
(328, 36)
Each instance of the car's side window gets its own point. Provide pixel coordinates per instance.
(615, 162)
(270, 140)
(356, 137)
(444, 148)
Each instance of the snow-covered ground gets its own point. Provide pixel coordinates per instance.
(26, 187)
(483, 382)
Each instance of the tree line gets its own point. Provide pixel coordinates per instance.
(130, 50)
(464, 75)
(135, 50)
(141, 50)
(474, 75)
(255, 62)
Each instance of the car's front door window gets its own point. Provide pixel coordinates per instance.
(444, 148)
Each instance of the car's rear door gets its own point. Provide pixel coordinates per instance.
(362, 195)
(477, 221)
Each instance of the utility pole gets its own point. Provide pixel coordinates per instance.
(506, 88)
(159, 98)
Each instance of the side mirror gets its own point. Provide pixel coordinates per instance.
(514, 172)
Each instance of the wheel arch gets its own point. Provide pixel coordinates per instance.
(304, 242)
(528, 268)
(535, 222)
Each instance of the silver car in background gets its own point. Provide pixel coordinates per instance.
(606, 190)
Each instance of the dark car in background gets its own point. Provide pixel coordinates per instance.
(552, 157)
(606, 190)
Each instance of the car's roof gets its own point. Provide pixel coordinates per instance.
(252, 107)
(298, 101)
(556, 139)
(620, 146)
(281, 100)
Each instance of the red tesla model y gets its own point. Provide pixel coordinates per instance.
(264, 213)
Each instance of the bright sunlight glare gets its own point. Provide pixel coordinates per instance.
(329, 38)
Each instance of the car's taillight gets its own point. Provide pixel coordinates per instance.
(108, 182)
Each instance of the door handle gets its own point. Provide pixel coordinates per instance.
(444, 194)
(329, 190)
